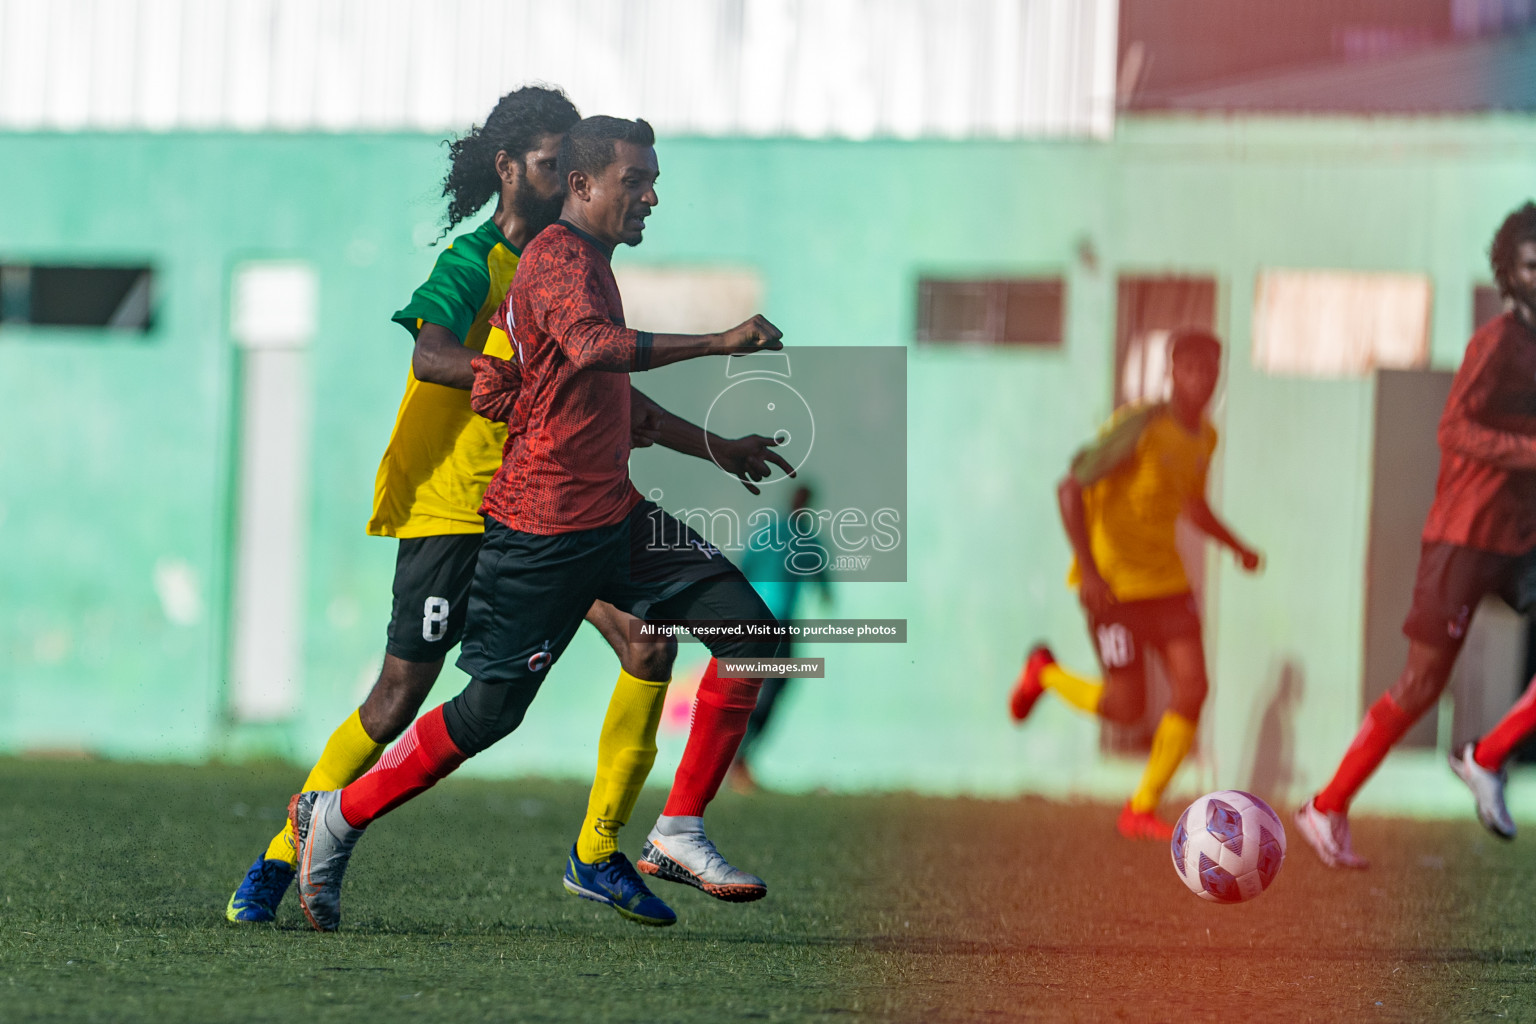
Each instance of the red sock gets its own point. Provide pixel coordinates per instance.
(413, 765)
(1493, 749)
(1385, 723)
(720, 714)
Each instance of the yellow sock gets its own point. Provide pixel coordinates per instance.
(1076, 690)
(625, 752)
(1175, 735)
(348, 753)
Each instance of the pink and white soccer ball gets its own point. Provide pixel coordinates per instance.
(1228, 846)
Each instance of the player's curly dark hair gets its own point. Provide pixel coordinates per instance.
(1519, 226)
(589, 145)
(515, 125)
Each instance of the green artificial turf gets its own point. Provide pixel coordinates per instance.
(113, 880)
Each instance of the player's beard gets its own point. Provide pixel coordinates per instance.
(537, 212)
(1524, 296)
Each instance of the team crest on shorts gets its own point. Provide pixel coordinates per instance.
(541, 659)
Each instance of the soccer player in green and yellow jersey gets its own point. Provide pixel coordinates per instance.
(440, 455)
(434, 473)
(1120, 503)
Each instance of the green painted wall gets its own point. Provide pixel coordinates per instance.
(115, 454)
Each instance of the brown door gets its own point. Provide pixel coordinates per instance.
(1149, 309)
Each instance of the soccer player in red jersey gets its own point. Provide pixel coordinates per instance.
(435, 469)
(440, 455)
(564, 525)
(1479, 539)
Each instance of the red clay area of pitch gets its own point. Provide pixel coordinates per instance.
(1033, 910)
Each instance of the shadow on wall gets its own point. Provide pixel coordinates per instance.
(1273, 772)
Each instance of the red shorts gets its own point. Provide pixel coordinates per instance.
(1126, 629)
(1450, 582)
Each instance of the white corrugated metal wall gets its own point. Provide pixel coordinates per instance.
(813, 68)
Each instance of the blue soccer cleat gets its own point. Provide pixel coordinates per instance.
(616, 882)
(262, 889)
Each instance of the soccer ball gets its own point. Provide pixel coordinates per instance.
(1228, 846)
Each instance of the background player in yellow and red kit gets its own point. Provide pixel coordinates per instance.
(437, 464)
(1479, 539)
(564, 525)
(1120, 503)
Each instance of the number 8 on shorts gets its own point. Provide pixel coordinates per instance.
(434, 619)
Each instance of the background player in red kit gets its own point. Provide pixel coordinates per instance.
(564, 525)
(1480, 539)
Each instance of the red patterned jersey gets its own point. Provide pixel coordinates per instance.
(1485, 497)
(565, 466)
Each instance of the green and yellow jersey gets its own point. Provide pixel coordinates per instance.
(441, 455)
(1136, 479)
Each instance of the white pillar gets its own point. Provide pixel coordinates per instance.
(273, 321)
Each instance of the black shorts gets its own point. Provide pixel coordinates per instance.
(432, 577)
(531, 591)
(1122, 635)
(1451, 581)
(666, 556)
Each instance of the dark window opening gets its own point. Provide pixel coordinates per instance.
(116, 297)
(1014, 311)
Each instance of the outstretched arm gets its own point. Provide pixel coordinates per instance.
(749, 458)
(754, 335)
(571, 308)
(1204, 519)
(594, 342)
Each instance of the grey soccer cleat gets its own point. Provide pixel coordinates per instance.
(1327, 832)
(1487, 789)
(689, 858)
(324, 842)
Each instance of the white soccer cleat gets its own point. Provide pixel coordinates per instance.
(690, 858)
(324, 843)
(1328, 835)
(1487, 789)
